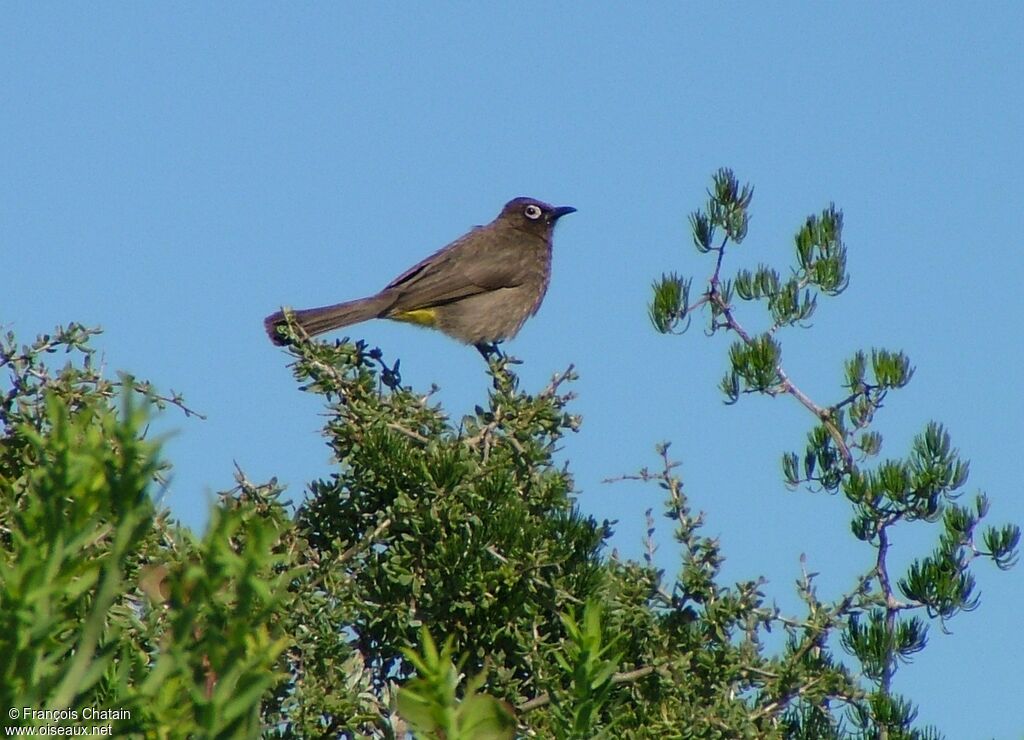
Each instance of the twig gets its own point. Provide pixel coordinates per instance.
(364, 543)
(618, 678)
(395, 426)
(785, 383)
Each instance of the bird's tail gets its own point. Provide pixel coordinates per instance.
(319, 320)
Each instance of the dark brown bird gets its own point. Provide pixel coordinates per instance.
(479, 289)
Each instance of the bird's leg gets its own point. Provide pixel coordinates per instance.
(489, 348)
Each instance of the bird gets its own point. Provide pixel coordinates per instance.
(480, 289)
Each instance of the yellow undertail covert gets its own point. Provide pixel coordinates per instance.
(421, 316)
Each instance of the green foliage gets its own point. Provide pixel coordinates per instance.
(875, 627)
(219, 607)
(430, 706)
(103, 603)
(73, 515)
(591, 660)
(318, 622)
(671, 302)
(755, 368)
(468, 529)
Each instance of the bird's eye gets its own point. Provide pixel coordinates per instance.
(532, 212)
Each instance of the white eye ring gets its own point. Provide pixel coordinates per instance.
(532, 212)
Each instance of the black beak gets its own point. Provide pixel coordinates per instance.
(557, 213)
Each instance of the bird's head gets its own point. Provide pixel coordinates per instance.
(534, 216)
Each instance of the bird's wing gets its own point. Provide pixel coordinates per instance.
(465, 267)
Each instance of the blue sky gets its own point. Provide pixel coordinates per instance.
(175, 172)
